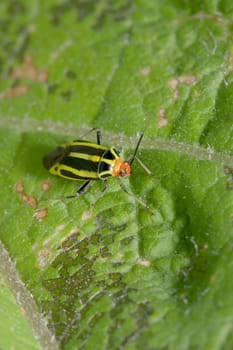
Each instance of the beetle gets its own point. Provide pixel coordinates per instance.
(85, 160)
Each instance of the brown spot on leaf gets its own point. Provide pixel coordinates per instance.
(19, 187)
(15, 91)
(40, 214)
(29, 71)
(189, 79)
(162, 121)
(145, 71)
(45, 185)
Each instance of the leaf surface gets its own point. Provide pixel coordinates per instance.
(104, 271)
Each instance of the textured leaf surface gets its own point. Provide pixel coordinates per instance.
(104, 271)
(14, 329)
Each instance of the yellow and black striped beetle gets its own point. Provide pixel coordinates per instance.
(84, 160)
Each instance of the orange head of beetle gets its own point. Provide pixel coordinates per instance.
(121, 168)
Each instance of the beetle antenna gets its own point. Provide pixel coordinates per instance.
(136, 148)
(139, 141)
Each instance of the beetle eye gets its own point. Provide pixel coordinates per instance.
(125, 169)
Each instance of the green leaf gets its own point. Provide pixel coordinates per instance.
(102, 271)
(15, 331)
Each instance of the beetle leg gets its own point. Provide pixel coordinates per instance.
(147, 170)
(132, 195)
(99, 137)
(105, 185)
(80, 190)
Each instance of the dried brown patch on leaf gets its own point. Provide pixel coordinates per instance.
(29, 199)
(145, 71)
(45, 185)
(15, 91)
(189, 79)
(28, 70)
(40, 214)
(162, 120)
